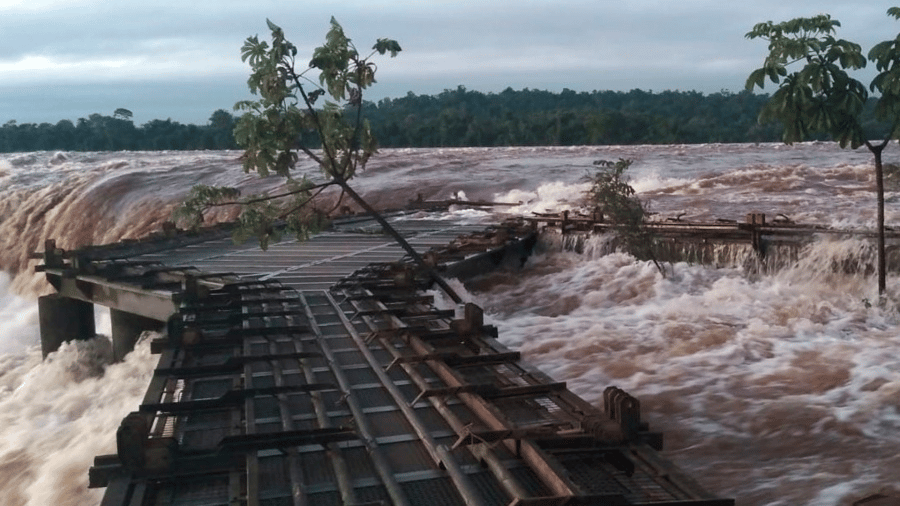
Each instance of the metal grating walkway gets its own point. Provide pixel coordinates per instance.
(315, 264)
(271, 390)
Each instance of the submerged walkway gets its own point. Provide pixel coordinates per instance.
(324, 373)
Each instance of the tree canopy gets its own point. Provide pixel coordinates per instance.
(118, 132)
(816, 93)
(461, 117)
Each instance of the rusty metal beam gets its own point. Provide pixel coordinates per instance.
(284, 439)
(439, 453)
(550, 471)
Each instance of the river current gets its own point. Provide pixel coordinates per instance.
(776, 388)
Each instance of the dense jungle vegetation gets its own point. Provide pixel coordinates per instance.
(532, 117)
(453, 118)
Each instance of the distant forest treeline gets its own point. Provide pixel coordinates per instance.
(454, 118)
(531, 117)
(116, 133)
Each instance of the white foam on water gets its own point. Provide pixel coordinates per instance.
(646, 181)
(57, 414)
(551, 197)
(19, 327)
(759, 384)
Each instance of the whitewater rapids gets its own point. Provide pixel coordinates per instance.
(779, 388)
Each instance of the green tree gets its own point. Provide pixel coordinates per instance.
(285, 123)
(122, 113)
(816, 93)
(221, 130)
(614, 201)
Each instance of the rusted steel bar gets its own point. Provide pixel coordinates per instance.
(232, 364)
(231, 398)
(550, 471)
(333, 435)
(711, 229)
(286, 438)
(490, 391)
(506, 479)
(457, 360)
(365, 432)
(464, 485)
(438, 453)
(251, 458)
(338, 463)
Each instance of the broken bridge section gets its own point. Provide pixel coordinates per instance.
(774, 244)
(368, 391)
(139, 280)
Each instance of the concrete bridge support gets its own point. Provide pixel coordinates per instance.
(127, 328)
(63, 319)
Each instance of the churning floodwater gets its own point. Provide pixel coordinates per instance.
(776, 388)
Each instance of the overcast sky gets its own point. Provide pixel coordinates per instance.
(66, 59)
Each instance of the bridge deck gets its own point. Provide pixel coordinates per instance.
(315, 264)
(312, 374)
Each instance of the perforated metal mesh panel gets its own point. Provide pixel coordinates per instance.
(209, 491)
(490, 489)
(434, 492)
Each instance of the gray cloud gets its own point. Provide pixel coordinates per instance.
(129, 51)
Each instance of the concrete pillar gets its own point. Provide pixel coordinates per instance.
(63, 319)
(127, 328)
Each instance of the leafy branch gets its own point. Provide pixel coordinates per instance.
(265, 217)
(614, 200)
(285, 121)
(818, 94)
(821, 96)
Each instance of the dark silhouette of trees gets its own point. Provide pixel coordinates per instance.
(118, 132)
(461, 117)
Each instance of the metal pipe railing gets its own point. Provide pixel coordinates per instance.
(365, 431)
(439, 453)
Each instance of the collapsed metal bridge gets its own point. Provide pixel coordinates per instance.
(325, 372)
(756, 244)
